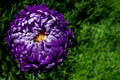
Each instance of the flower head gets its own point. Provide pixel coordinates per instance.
(38, 38)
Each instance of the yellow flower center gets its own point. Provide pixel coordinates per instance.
(40, 37)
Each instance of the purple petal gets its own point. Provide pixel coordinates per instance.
(22, 12)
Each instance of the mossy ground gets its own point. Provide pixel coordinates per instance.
(95, 54)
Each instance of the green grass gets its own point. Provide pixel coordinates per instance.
(95, 54)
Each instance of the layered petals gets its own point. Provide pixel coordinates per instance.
(38, 38)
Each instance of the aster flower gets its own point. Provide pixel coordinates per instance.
(38, 38)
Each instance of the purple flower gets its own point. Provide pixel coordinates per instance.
(38, 38)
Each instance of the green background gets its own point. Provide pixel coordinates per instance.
(95, 54)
